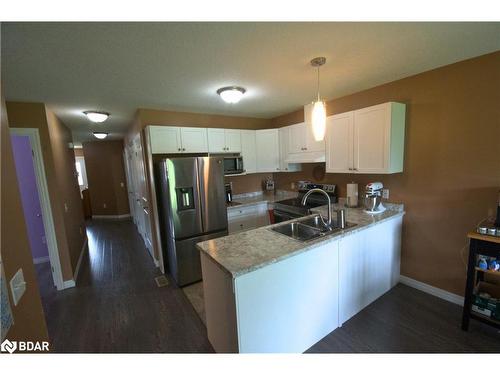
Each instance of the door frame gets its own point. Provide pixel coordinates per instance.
(43, 193)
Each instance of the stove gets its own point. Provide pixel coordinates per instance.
(292, 208)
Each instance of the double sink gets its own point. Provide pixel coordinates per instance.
(308, 228)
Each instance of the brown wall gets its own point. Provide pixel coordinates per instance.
(105, 174)
(29, 321)
(248, 183)
(451, 173)
(59, 163)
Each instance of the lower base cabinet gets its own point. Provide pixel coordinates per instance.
(246, 218)
(288, 306)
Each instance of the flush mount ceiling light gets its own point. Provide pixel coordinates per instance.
(318, 115)
(231, 94)
(96, 116)
(100, 135)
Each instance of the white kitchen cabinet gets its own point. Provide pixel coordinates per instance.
(224, 140)
(302, 147)
(248, 217)
(369, 266)
(284, 307)
(375, 140)
(339, 143)
(284, 144)
(194, 140)
(174, 139)
(165, 139)
(267, 149)
(248, 151)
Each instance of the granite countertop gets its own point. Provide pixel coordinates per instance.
(243, 252)
(250, 199)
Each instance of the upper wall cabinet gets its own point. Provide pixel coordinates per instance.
(249, 150)
(368, 140)
(267, 150)
(302, 147)
(224, 140)
(174, 140)
(283, 154)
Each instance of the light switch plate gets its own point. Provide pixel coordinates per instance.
(385, 193)
(17, 286)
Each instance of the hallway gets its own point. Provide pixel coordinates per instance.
(116, 305)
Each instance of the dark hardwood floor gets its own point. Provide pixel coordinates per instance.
(406, 320)
(117, 307)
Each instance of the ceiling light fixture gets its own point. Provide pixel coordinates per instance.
(96, 116)
(318, 115)
(100, 135)
(231, 94)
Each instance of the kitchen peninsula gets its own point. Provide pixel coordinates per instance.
(266, 292)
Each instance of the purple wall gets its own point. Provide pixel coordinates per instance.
(25, 171)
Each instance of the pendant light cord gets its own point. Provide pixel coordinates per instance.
(318, 85)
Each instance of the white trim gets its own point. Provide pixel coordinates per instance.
(78, 264)
(440, 293)
(41, 260)
(69, 284)
(43, 191)
(111, 216)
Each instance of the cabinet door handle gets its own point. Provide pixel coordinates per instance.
(227, 148)
(286, 169)
(350, 169)
(183, 149)
(178, 149)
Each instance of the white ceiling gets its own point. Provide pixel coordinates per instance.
(119, 67)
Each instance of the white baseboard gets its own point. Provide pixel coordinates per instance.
(68, 284)
(79, 263)
(111, 216)
(41, 260)
(426, 288)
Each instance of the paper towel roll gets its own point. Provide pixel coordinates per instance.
(352, 195)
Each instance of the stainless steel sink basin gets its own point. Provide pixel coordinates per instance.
(315, 222)
(297, 231)
(308, 228)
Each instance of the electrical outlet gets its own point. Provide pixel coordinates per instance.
(66, 207)
(385, 193)
(122, 184)
(104, 205)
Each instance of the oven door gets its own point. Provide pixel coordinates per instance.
(280, 216)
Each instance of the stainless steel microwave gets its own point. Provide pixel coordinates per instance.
(233, 164)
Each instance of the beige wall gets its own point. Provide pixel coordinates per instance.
(248, 183)
(29, 321)
(59, 163)
(451, 173)
(105, 174)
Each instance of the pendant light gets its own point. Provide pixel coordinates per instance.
(318, 115)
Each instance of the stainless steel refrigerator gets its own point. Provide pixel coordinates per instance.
(192, 208)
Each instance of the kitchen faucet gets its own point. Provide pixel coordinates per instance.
(304, 199)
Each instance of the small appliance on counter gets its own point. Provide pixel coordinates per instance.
(352, 195)
(269, 184)
(373, 198)
(229, 192)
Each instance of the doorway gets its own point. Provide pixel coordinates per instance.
(37, 211)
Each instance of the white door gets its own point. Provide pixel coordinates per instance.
(297, 138)
(268, 146)
(194, 140)
(248, 151)
(165, 139)
(339, 142)
(233, 140)
(127, 155)
(371, 137)
(216, 141)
